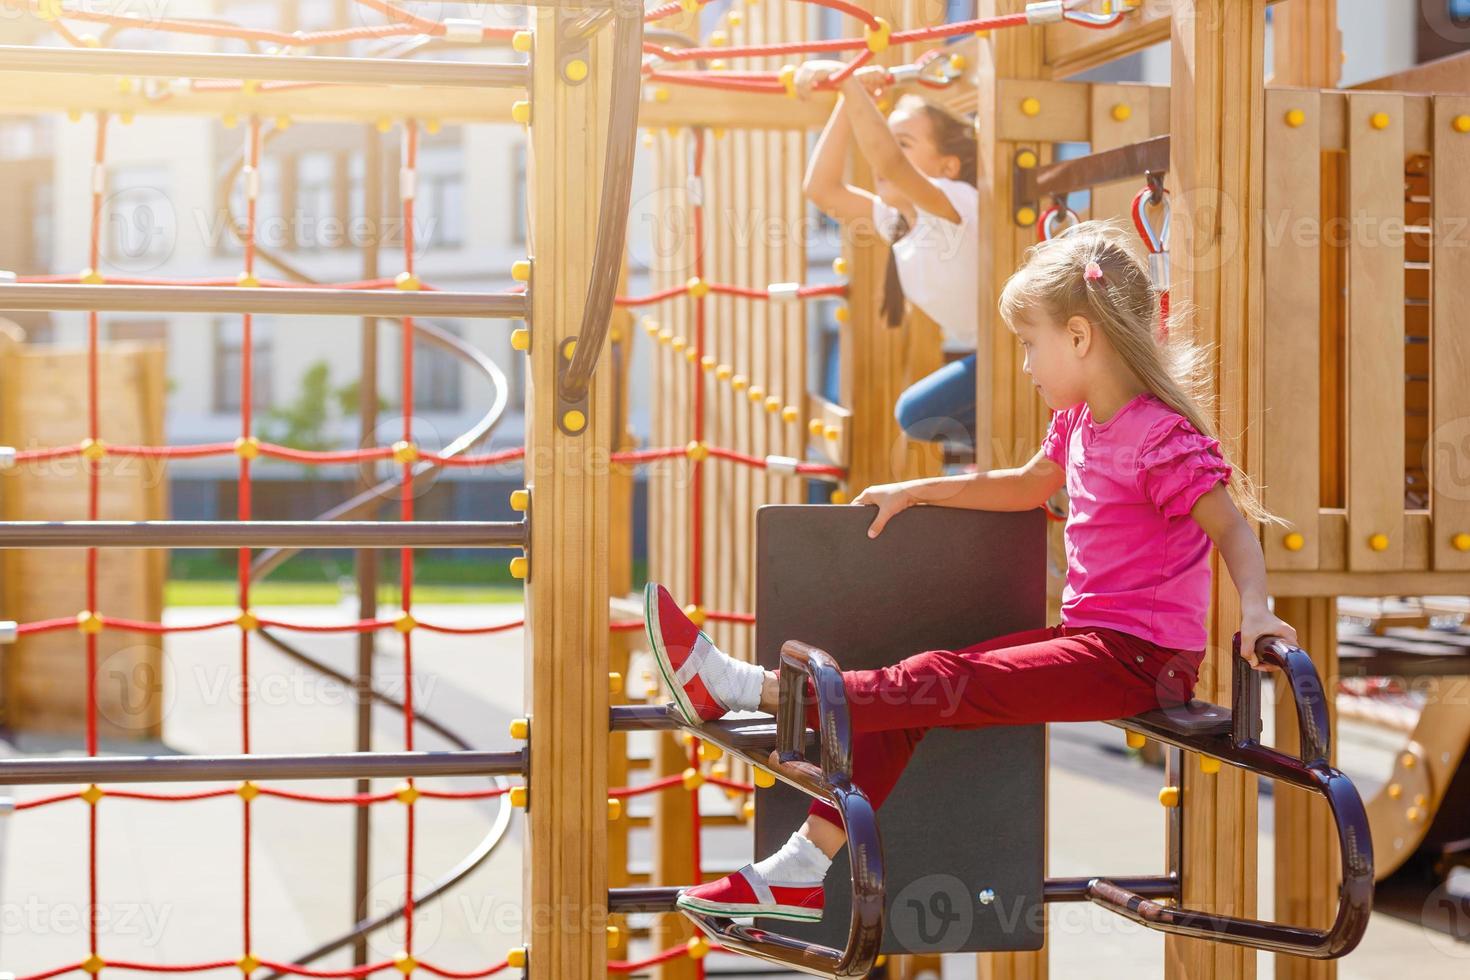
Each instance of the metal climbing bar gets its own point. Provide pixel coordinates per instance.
(262, 300)
(198, 768)
(1233, 736)
(830, 781)
(259, 67)
(262, 534)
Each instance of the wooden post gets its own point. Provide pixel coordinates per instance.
(1009, 418)
(565, 877)
(1308, 49)
(1215, 120)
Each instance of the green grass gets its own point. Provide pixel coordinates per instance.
(194, 592)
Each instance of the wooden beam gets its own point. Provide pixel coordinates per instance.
(1443, 76)
(567, 697)
(1216, 109)
(1071, 49)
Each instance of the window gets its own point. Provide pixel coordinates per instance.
(229, 363)
(270, 229)
(439, 210)
(436, 374)
(140, 226)
(316, 205)
(25, 139)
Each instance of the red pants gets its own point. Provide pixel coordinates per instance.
(1059, 673)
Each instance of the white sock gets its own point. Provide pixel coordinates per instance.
(735, 683)
(798, 862)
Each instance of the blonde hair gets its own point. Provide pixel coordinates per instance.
(1124, 305)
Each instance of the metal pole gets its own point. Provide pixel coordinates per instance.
(199, 768)
(258, 67)
(249, 299)
(262, 534)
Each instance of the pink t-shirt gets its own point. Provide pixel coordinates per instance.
(1136, 560)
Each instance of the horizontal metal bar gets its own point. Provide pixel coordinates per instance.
(245, 299)
(257, 67)
(262, 534)
(1103, 167)
(198, 768)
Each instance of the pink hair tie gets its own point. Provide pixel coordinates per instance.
(1093, 271)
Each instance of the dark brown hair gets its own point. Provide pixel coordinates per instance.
(954, 136)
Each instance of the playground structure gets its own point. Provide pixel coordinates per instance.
(734, 424)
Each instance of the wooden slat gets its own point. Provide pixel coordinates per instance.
(1109, 131)
(1375, 386)
(1450, 420)
(566, 635)
(1217, 107)
(1071, 49)
(1292, 435)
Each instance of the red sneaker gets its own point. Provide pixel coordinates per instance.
(683, 653)
(746, 893)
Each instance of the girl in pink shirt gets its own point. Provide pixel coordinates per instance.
(1150, 492)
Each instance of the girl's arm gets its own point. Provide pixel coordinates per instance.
(824, 185)
(1215, 512)
(883, 152)
(1021, 488)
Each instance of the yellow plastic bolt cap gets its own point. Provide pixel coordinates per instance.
(93, 964)
(384, 124)
(693, 778)
(1295, 118)
(697, 947)
(405, 623)
(1122, 112)
(406, 794)
(790, 413)
(698, 288)
(247, 790)
(521, 41)
(734, 18)
(247, 621)
(665, 335)
(1408, 760)
(248, 964)
(516, 957)
(247, 280)
(1461, 124)
(576, 70)
(520, 339)
(93, 793)
(697, 451)
(1169, 796)
(839, 266)
(696, 613)
(520, 728)
(89, 623)
(405, 452)
(520, 270)
(614, 936)
(788, 79)
(756, 393)
(520, 500)
(747, 811)
(837, 497)
(815, 427)
(91, 277)
(247, 447)
(724, 372)
(718, 39)
(831, 433)
(1027, 159)
(568, 348)
(1461, 541)
(707, 362)
(575, 421)
(518, 795)
(739, 382)
(1136, 740)
(1413, 813)
(1378, 542)
(519, 565)
(405, 963)
(94, 450)
(958, 62)
(764, 778)
(520, 112)
(1294, 541)
(1395, 791)
(1209, 765)
(614, 682)
(614, 808)
(1030, 106)
(877, 37)
(709, 752)
(678, 343)
(1379, 120)
(773, 404)
(1026, 216)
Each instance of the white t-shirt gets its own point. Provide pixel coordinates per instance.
(938, 261)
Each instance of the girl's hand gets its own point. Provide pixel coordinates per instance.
(873, 79)
(891, 499)
(1255, 623)
(813, 73)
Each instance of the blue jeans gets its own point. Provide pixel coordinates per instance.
(941, 407)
